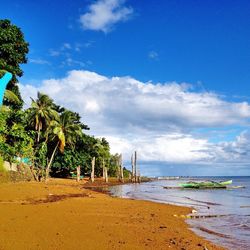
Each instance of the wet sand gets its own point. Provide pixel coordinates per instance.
(63, 215)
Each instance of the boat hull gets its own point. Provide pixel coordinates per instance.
(206, 184)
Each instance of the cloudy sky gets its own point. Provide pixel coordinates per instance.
(168, 78)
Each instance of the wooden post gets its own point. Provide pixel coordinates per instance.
(118, 168)
(135, 166)
(93, 170)
(103, 169)
(106, 174)
(138, 175)
(78, 173)
(121, 169)
(133, 169)
(122, 178)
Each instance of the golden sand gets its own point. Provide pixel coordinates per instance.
(63, 215)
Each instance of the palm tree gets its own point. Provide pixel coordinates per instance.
(64, 131)
(41, 113)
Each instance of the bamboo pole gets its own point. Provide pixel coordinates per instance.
(93, 170)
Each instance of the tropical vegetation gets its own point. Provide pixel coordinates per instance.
(46, 137)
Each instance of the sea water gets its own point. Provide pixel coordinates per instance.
(231, 229)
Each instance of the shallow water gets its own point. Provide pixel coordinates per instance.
(232, 230)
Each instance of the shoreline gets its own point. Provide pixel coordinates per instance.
(63, 214)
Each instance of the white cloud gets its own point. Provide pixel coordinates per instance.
(237, 151)
(172, 147)
(71, 62)
(39, 61)
(66, 53)
(153, 55)
(156, 119)
(104, 14)
(54, 53)
(66, 46)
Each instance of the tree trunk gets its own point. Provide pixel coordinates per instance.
(39, 131)
(93, 170)
(34, 173)
(78, 173)
(50, 162)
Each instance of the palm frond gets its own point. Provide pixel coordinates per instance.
(10, 96)
(4, 108)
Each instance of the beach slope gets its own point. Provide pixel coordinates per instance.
(63, 215)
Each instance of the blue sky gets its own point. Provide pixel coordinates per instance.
(197, 51)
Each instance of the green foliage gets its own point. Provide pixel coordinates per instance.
(41, 156)
(126, 173)
(13, 51)
(66, 163)
(21, 137)
(2, 169)
(15, 141)
(41, 113)
(11, 96)
(113, 168)
(13, 48)
(2, 72)
(65, 129)
(46, 134)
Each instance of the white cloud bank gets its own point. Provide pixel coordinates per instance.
(102, 15)
(156, 119)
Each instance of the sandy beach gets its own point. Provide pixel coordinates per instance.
(61, 214)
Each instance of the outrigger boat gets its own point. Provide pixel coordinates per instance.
(206, 184)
